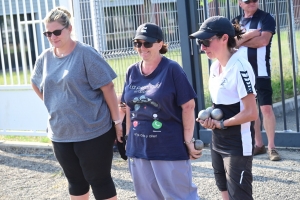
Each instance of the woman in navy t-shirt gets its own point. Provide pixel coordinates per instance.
(160, 121)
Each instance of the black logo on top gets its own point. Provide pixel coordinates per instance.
(247, 82)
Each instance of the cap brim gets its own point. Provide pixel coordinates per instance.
(146, 38)
(201, 35)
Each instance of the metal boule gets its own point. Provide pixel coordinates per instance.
(216, 114)
(203, 114)
(209, 109)
(198, 144)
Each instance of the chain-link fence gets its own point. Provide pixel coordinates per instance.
(116, 22)
(109, 26)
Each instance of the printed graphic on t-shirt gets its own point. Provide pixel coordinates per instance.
(145, 88)
(150, 108)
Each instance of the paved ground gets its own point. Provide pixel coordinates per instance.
(34, 174)
(30, 171)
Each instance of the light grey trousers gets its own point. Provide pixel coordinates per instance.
(159, 179)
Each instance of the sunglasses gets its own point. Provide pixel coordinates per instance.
(56, 32)
(249, 1)
(205, 42)
(146, 44)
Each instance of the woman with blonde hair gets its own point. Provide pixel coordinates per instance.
(76, 86)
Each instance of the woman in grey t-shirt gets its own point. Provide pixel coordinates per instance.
(76, 86)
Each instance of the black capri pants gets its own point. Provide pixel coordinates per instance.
(233, 174)
(88, 163)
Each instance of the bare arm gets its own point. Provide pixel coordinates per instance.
(260, 41)
(188, 119)
(246, 37)
(249, 113)
(128, 122)
(37, 91)
(112, 102)
(122, 108)
(122, 111)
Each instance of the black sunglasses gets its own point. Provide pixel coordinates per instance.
(146, 44)
(249, 1)
(205, 42)
(56, 32)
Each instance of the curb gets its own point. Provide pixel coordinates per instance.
(34, 145)
(289, 106)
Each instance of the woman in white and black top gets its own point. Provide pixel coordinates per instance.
(231, 86)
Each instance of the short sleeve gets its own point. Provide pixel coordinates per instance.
(245, 81)
(99, 72)
(268, 24)
(37, 73)
(184, 90)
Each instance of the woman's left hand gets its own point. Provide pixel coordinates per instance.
(208, 123)
(119, 132)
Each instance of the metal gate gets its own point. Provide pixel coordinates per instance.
(193, 13)
(109, 26)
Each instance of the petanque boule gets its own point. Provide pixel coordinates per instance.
(209, 109)
(203, 114)
(216, 114)
(198, 144)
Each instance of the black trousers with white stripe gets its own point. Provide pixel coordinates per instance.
(233, 174)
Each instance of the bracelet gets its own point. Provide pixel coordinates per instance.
(126, 137)
(117, 122)
(192, 140)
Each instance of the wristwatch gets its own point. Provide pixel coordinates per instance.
(222, 125)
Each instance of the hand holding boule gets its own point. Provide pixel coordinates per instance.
(199, 145)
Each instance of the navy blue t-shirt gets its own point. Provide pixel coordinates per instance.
(156, 131)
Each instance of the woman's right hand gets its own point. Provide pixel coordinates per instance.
(194, 154)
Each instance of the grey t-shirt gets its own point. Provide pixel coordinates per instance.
(71, 91)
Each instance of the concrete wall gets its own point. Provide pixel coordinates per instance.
(22, 112)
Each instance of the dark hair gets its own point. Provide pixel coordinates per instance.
(164, 48)
(60, 15)
(231, 40)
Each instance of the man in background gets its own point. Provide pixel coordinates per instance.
(257, 50)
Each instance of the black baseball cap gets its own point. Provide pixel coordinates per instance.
(149, 32)
(212, 26)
